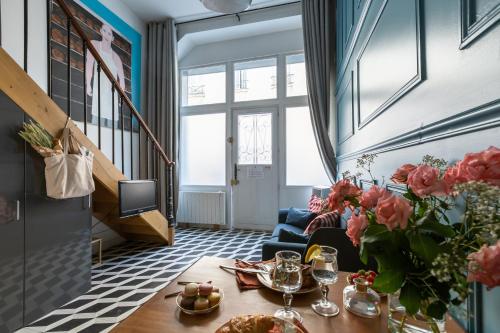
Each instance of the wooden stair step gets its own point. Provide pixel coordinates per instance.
(19, 86)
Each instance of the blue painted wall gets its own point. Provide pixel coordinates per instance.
(418, 77)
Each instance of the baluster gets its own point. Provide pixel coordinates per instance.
(85, 87)
(122, 122)
(25, 35)
(68, 25)
(131, 145)
(98, 105)
(147, 157)
(170, 196)
(113, 123)
(139, 149)
(49, 47)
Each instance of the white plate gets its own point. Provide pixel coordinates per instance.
(267, 281)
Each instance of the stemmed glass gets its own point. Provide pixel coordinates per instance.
(287, 277)
(324, 270)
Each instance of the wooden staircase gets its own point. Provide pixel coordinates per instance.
(150, 226)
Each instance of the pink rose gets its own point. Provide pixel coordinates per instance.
(484, 266)
(370, 198)
(393, 211)
(424, 181)
(356, 225)
(401, 174)
(483, 166)
(341, 194)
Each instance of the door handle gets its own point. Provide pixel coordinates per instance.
(18, 210)
(235, 180)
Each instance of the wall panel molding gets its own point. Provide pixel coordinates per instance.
(347, 53)
(480, 118)
(474, 27)
(348, 91)
(415, 76)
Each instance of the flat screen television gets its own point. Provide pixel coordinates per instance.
(137, 196)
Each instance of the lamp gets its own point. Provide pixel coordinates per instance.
(226, 6)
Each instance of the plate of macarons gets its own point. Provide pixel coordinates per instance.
(199, 298)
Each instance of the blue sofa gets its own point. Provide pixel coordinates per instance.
(348, 255)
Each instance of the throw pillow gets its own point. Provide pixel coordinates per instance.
(292, 237)
(327, 220)
(299, 217)
(316, 204)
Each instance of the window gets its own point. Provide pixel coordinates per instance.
(255, 80)
(296, 75)
(255, 139)
(203, 143)
(206, 85)
(303, 163)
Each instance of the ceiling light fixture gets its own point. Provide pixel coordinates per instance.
(227, 6)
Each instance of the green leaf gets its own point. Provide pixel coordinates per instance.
(376, 233)
(363, 253)
(424, 247)
(410, 298)
(436, 309)
(438, 229)
(391, 261)
(389, 281)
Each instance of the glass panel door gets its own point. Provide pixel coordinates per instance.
(255, 173)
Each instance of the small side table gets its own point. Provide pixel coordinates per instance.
(97, 241)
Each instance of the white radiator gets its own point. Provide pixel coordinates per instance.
(202, 207)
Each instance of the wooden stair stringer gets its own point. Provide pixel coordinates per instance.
(19, 86)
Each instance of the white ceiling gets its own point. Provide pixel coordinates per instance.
(237, 32)
(182, 10)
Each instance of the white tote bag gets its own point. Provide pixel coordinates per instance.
(69, 175)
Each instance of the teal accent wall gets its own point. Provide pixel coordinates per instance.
(418, 77)
(134, 37)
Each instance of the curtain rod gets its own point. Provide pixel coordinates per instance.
(237, 14)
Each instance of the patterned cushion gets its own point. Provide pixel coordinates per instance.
(327, 220)
(316, 204)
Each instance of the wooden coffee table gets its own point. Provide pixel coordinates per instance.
(160, 315)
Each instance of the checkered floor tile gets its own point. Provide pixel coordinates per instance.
(133, 272)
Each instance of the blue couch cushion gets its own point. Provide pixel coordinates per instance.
(285, 226)
(299, 217)
(292, 237)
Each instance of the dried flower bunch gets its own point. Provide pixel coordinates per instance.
(40, 139)
(419, 247)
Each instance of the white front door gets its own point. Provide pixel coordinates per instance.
(254, 194)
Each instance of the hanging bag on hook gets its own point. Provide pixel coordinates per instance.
(69, 175)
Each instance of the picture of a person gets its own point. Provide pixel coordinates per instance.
(115, 65)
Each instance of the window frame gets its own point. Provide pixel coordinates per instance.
(282, 102)
(181, 92)
(252, 102)
(286, 75)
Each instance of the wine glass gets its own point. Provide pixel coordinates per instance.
(287, 277)
(324, 270)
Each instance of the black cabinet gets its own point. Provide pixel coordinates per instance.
(45, 253)
(12, 220)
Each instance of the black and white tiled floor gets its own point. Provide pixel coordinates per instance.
(132, 273)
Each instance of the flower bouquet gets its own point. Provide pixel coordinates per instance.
(425, 257)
